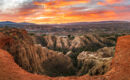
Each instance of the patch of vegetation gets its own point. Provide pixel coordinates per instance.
(71, 37)
(44, 35)
(32, 34)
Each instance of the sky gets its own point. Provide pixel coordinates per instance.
(64, 11)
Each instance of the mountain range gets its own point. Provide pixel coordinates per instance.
(74, 23)
(9, 22)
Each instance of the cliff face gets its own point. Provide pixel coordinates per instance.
(95, 63)
(121, 62)
(75, 46)
(32, 53)
(33, 57)
(77, 43)
(120, 66)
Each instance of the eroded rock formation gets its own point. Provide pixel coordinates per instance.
(95, 63)
(44, 55)
(85, 42)
(35, 58)
(9, 70)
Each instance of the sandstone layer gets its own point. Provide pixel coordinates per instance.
(33, 57)
(9, 70)
(49, 55)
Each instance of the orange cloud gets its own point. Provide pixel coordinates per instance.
(101, 3)
(113, 1)
(75, 17)
(58, 12)
(60, 3)
(109, 2)
(121, 7)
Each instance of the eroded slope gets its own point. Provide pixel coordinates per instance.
(120, 66)
(37, 58)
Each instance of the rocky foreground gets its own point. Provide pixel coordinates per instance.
(9, 70)
(56, 55)
(23, 55)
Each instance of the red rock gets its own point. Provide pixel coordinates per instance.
(9, 70)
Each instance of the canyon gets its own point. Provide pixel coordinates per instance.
(86, 57)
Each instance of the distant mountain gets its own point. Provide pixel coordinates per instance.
(25, 23)
(7, 22)
(14, 24)
(22, 23)
(111, 22)
(100, 22)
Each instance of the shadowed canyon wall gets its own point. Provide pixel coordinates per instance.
(9, 70)
(42, 55)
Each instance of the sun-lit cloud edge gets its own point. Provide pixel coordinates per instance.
(62, 11)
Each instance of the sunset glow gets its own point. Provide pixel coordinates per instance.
(64, 11)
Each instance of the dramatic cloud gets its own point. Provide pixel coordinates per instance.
(63, 11)
(6, 6)
(113, 1)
